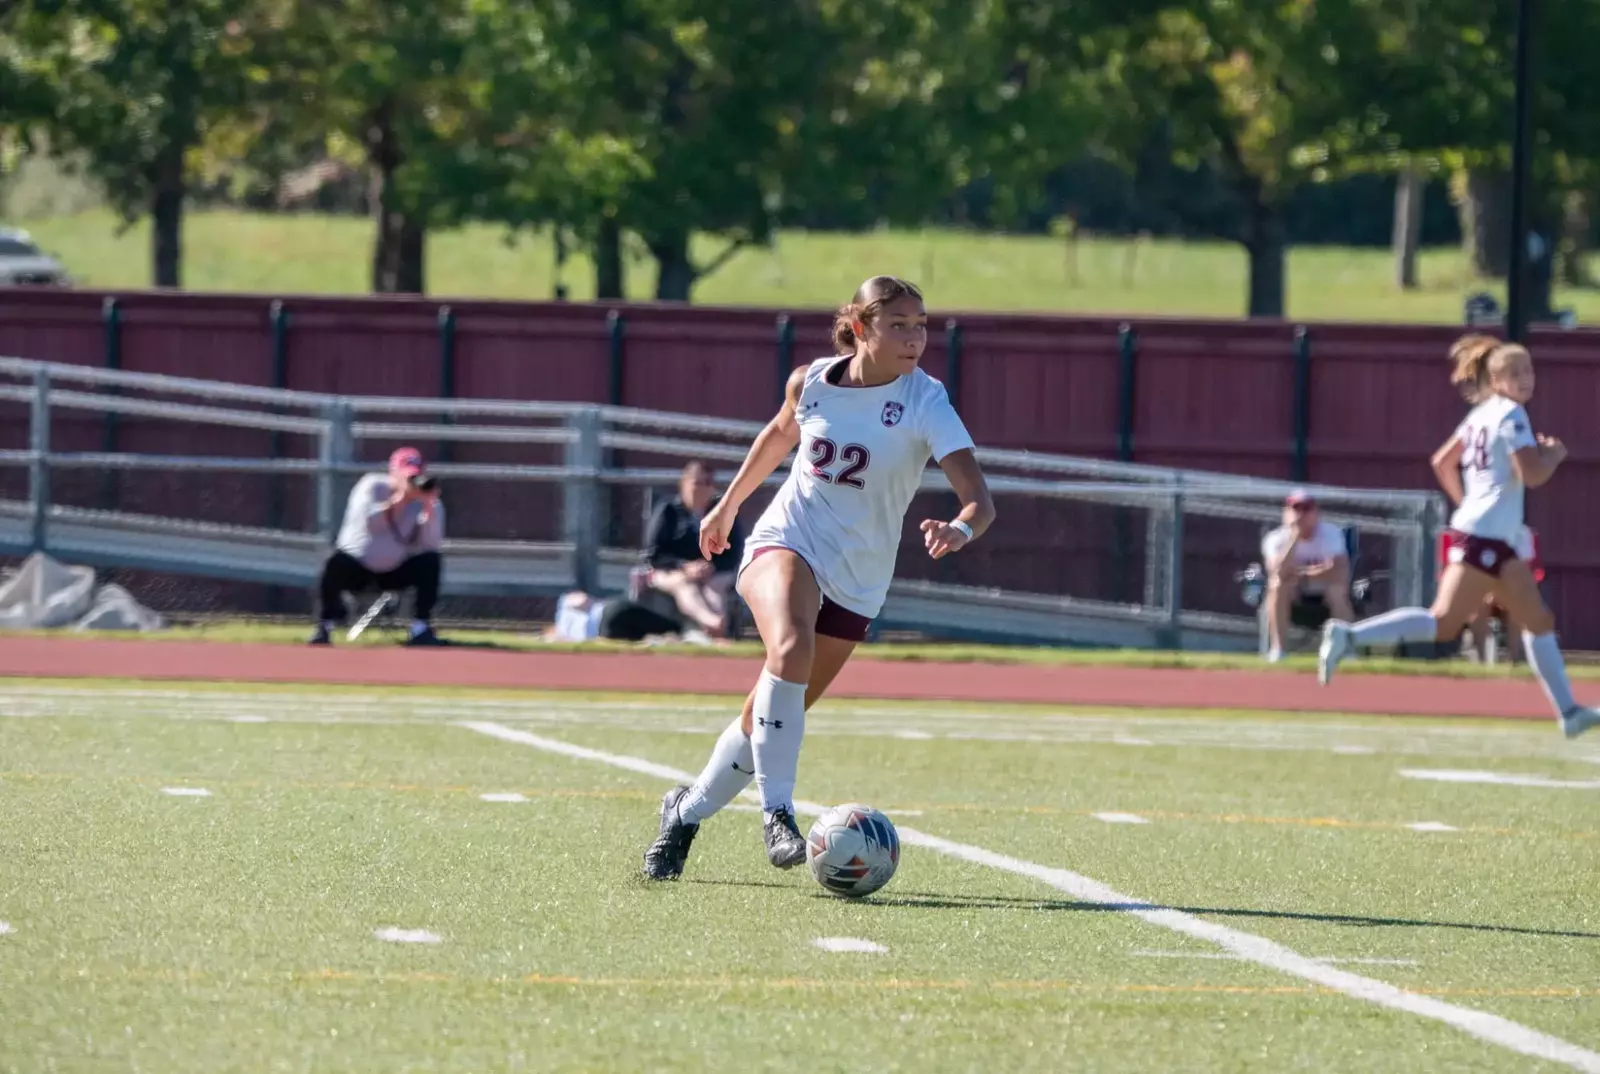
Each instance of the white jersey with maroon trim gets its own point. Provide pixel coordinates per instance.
(861, 459)
(1492, 494)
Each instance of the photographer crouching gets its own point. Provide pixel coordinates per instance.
(392, 533)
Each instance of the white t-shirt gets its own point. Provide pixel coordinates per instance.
(1492, 500)
(861, 459)
(1326, 543)
(382, 543)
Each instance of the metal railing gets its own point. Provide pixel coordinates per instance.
(588, 439)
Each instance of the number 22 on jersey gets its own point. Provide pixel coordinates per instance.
(824, 453)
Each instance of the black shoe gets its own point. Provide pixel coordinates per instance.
(426, 639)
(664, 860)
(319, 636)
(785, 847)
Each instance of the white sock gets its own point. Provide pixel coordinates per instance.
(731, 768)
(1392, 628)
(1544, 656)
(780, 724)
(418, 626)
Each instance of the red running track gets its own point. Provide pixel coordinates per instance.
(864, 678)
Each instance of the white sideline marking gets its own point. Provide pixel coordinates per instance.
(510, 796)
(1120, 818)
(849, 945)
(249, 719)
(1354, 751)
(1431, 826)
(1488, 1027)
(913, 736)
(394, 935)
(186, 792)
(1450, 775)
(1126, 740)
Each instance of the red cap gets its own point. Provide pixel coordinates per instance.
(406, 461)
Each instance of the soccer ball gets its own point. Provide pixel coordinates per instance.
(853, 850)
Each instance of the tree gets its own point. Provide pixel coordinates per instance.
(1456, 104)
(1273, 94)
(135, 86)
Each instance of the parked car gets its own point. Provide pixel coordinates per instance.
(22, 262)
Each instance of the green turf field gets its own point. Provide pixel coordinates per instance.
(308, 254)
(238, 931)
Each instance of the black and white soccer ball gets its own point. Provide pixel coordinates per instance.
(853, 850)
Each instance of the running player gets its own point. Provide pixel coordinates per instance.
(818, 563)
(1483, 468)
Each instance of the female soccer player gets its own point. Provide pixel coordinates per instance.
(818, 563)
(1483, 468)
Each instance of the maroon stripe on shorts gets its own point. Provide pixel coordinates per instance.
(833, 620)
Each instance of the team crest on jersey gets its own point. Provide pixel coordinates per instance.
(892, 413)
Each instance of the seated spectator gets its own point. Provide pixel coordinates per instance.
(1306, 563)
(700, 589)
(392, 533)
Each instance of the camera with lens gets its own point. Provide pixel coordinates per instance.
(425, 482)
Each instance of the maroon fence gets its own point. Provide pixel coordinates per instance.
(1341, 404)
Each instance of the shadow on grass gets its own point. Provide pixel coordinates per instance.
(927, 901)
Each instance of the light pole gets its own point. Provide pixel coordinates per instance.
(1521, 175)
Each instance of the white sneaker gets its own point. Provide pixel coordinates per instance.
(1274, 655)
(1576, 721)
(1335, 647)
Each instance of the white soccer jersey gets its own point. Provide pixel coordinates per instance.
(861, 458)
(1491, 504)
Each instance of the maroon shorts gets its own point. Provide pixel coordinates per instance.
(1481, 553)
(833, 621)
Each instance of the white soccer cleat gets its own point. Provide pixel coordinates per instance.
(1575, 722)
(1274, 655)
(1335, 647)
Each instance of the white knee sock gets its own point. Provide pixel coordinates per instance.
(780, 724)
(1544, 656)
(1391, 628)
(731, 768)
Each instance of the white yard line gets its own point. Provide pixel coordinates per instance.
(398, 935)
(1487, 1027)
(848, 945)
(906, 721)
(1505, 779)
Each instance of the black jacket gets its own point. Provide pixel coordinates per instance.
(675, 539)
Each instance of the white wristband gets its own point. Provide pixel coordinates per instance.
(957, 524)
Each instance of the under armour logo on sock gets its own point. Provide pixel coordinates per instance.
(774, 724)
